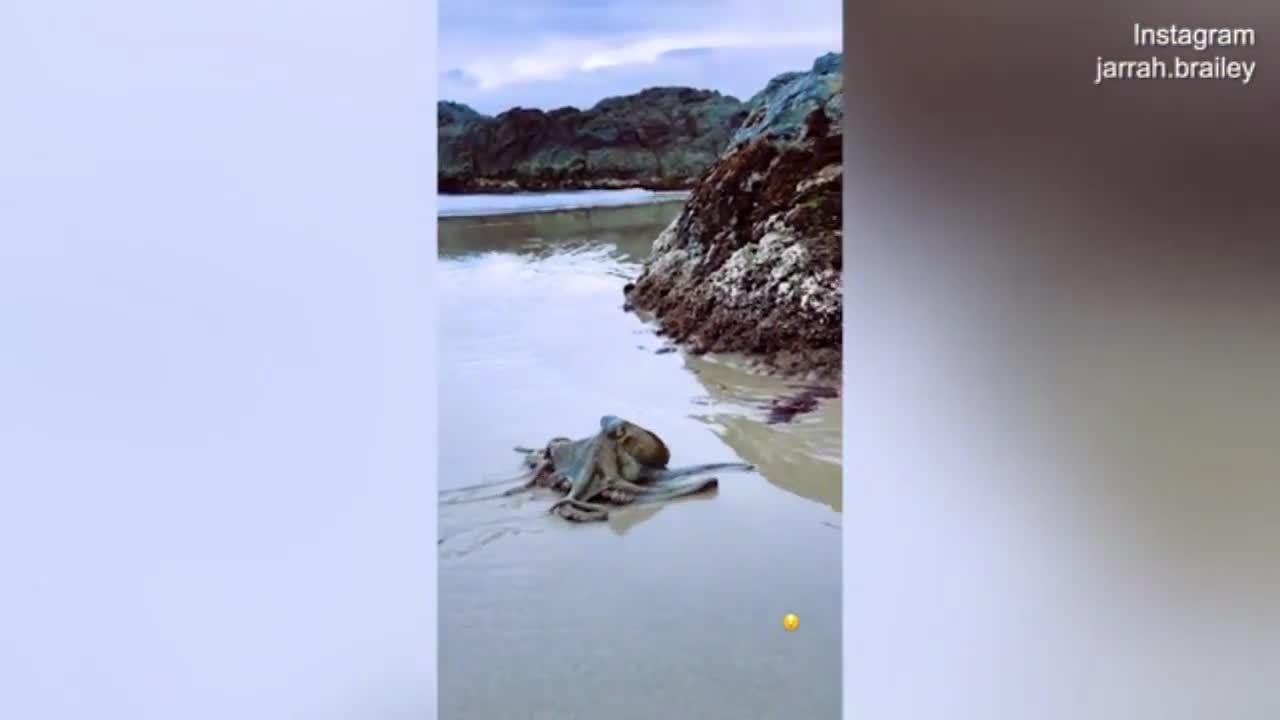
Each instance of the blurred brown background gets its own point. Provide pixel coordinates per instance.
(1062, 366)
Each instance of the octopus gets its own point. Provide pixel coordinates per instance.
(623, 464)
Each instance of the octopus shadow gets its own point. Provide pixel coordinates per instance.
(468, 537)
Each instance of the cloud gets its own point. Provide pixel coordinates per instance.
(458, 76)
(737, 72)
(554, 62)
(693, 52)
(547, 53)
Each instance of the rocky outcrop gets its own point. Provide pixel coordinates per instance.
(753, 262)
(660, 139)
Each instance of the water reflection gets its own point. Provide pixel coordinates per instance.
(802, 457)
(535, 344)
(631, 230)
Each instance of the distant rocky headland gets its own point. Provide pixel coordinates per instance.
(662, 138)
(753, 263)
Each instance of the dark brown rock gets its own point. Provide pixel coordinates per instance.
(753, 263)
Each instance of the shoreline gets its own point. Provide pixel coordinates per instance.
(805, 365)
(514, 211)
(494, 186)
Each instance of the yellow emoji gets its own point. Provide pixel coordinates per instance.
(791, 622)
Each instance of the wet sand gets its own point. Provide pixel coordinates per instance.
(667, 611)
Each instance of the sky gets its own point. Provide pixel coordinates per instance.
(496, 54)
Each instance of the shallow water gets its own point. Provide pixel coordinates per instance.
(667, 611)
(496, 204)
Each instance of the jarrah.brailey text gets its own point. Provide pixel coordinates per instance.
(1198, 39)
(1154, 68)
